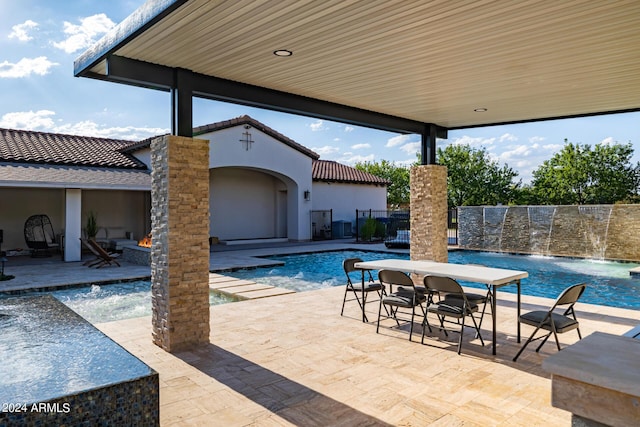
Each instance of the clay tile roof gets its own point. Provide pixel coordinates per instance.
(330, 171)
(242, 120)
(23, 146)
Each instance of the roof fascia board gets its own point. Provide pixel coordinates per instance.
(147, 15)
(78, 185)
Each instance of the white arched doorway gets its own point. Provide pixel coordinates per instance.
(247, 204)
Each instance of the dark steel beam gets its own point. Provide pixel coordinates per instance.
(182, 103)
(139, 73)
(428, 144)
(256, 96)
(144, 74)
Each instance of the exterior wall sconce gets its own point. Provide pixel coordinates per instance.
(246, 140)
(307, 195)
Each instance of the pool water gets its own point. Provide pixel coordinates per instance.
(608, 283)
(117, 301)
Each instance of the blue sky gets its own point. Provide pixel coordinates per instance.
(39, 41)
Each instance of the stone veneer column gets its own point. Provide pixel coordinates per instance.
(429, 213)
(180, 247)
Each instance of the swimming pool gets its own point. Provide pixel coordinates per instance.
(117, 301)
(608, 283)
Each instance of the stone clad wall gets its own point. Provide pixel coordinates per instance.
(588, 231)
(429, 213)
(180, 242)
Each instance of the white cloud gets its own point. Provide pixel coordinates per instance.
(352, 160)
(349, 128)
(360, 146)
(516, 152)
(20, 31)
(608, 141)
(411, 147)
(28, 120)
(326, 150)
(42, 120)
(89, 128)
(397, 140)
(25, 67)
(84, 35)
(318, 126)
(535, 139)
(508, 137)
(474, 142)
(552, 149)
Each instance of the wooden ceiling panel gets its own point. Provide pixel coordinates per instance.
(429, 61)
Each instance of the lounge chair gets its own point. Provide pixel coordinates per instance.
(102, 257)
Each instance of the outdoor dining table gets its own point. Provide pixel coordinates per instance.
(493, 278)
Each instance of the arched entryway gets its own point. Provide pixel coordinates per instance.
(248, 204)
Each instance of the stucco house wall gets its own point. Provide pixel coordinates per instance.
(344, 199)
(270, 179)
(243, 204)
(117, 212)
(257, 189)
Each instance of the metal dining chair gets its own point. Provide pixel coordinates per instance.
(454, 304)
(405, 296)
(359, 286)
(553, 322)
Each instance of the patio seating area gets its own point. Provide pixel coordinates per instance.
(294, 360)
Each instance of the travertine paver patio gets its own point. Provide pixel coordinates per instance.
(293, 360)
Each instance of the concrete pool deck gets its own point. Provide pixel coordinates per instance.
(52, 272)
(294, 361)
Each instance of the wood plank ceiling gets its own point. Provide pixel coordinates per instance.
(430, 61)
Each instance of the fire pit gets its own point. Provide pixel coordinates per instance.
(140, 253)
(145, 242)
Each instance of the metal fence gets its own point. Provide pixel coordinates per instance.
(321, 222)
(388, 226)
(452, 227)
(391, 227)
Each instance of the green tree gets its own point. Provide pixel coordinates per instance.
(580, 175)
(615, 178)
(398, 176)
(474, 179)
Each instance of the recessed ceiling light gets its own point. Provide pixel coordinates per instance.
(282, 52)
(480, 110)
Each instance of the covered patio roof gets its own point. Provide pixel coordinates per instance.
(411, 67)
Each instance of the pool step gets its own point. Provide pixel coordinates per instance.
(243, 289)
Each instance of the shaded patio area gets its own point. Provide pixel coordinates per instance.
(293, 360)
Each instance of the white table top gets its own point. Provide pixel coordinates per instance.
(467, 272)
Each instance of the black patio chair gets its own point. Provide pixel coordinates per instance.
(406, 296)
(553, 322)
(360, 286)
(454, 304)
(39, 235)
